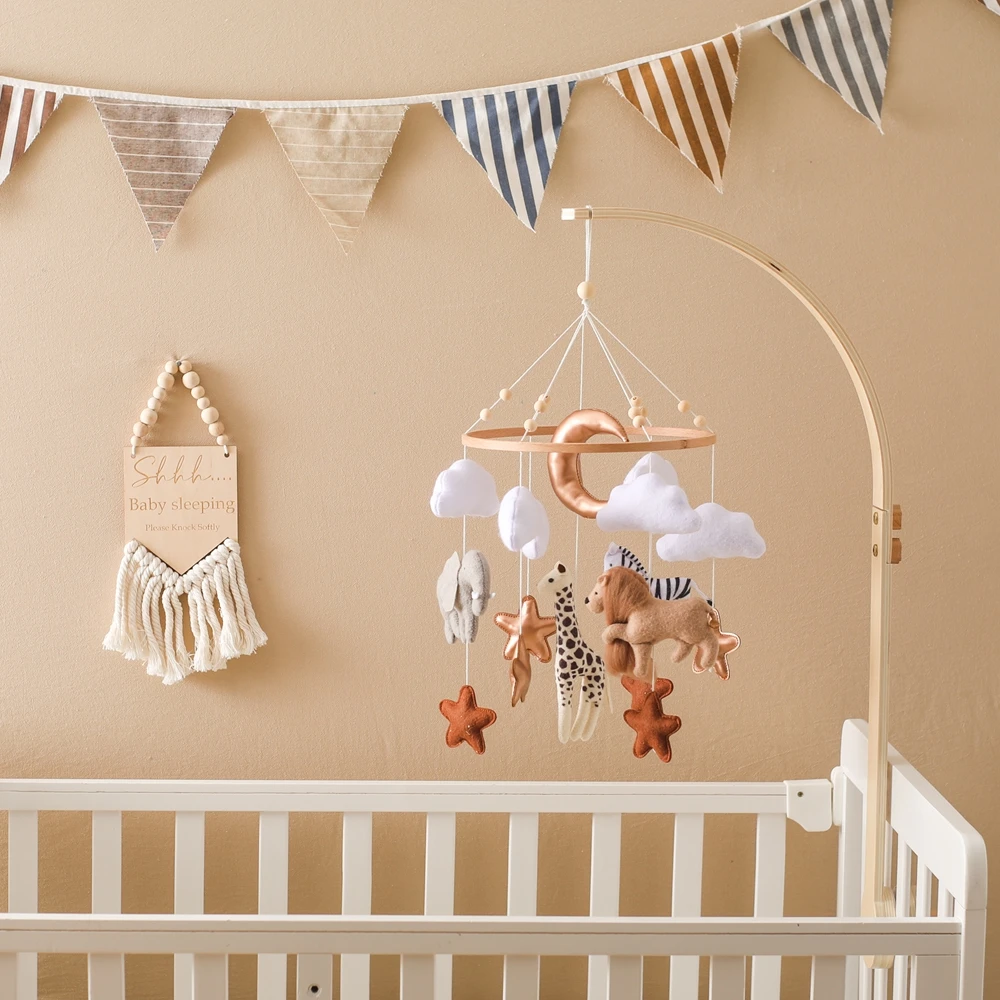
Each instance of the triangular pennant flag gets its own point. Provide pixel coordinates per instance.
(23, 112)
(163, 149)
(688, 96)
(844, 43)
(338, 154)
(993, 5)
(513, 135)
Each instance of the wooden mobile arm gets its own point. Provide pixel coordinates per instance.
(877, 899)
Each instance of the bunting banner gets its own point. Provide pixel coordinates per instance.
(513, 135)
(163, 149)
(844, 43)
(338, 155)
(339, 149)
(688, 96)
(23, 113)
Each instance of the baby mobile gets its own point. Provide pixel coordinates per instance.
(639, 610)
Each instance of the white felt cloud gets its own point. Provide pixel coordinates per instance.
(648, 503)
(523, 523)
(723, 534)
(465, 488)
(652, 462)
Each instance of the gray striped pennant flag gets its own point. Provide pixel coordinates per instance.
(844, 43)
(513, 135)
(23, 112)
(163, 149)
(338, 154)
(688, 96)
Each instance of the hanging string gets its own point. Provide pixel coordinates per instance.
(616, 370)
(712, 498)
(587, 244)
(562, 360)
(527, 561)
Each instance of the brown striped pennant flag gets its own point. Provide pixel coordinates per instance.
(688, 96)
(339, 154)
(23, 112)
(163, 149)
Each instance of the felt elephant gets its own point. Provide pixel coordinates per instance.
(463, 591)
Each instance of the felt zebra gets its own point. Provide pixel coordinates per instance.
(666, 588)
(574, 658)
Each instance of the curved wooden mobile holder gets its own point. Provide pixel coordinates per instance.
(877, 900)
(518, 439)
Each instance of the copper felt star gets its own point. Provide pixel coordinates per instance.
(520, 676)
(728, 642)
(639, 689)
(527, 629)
(652, 728)
(466, 720)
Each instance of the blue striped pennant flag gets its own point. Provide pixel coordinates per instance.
(513, 135)
(844, 43)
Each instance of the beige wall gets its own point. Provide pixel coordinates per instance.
(346, 383)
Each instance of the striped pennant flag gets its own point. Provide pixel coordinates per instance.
(844, 43)
(338, 154)
(513, 135)
(23, 112)
(993, 5)
(163, 149)
(688, 96)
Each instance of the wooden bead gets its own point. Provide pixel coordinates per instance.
(217, 428)
(135, 440)
(210, 414)
(530, 426)
(140, 430)
(222, 439)
(634, 411)
(148, 417)
(184, 366)
(484, 413)
(165, 380)
(191, 379)
(505, 395)
(159, 393)
(544, 397)
(683, 406)
(203, 402)
(170, 367)
(639, 421)
(541, 406)
(700, 421)
(198, 392)
(585, 290)
(153, 403)
(636, 400)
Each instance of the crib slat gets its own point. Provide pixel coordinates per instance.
(769, 900)
(520, 972)
(439, 887)
(313, 977)
(726, 978)
(923, 900)
(272, 897)
(189, 888)
(605, 876)
(880, 984)
(828, 978)
(356, 898)
(900, 967)
(106, 973)
(850, 852)
(689, 831)
(416, 977)
(22, 889)
(210, 977)
(625, 978)
(935, 977)
(945, 902)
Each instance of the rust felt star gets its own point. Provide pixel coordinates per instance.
(528, 629)
(466, 720)
(639, 689)
(520, 676)
(652, 728)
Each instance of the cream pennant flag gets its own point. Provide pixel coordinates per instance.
(513, 135)
(844, 43)
(993, 5)
(339, 154)
(163, 149)
(23, 112)
(688, 96)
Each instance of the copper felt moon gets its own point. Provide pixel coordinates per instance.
(565, 472)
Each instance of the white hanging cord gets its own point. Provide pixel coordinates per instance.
(649, 557)
(562, 360)
(712, 498)
(587, 244)
(616, 370)
(527, 562)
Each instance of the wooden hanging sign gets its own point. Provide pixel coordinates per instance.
(180, 503)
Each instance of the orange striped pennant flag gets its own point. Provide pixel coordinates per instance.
(23, 113)
(688, 96)
(338, 154)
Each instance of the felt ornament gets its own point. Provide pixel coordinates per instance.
(466, 720)
(638, 689)
(464, 489)
(527, 629)
(650, 504)
(722, 534)
(575, 660)
(651, 462)
(728, 643)
(520, 675)
(652, 728)
(666, 588)
(565, 470)
(523, 523)
(181, 511)
(463, 591)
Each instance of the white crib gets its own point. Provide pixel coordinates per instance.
(941, 954)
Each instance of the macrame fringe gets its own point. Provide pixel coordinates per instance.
(148, 622)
